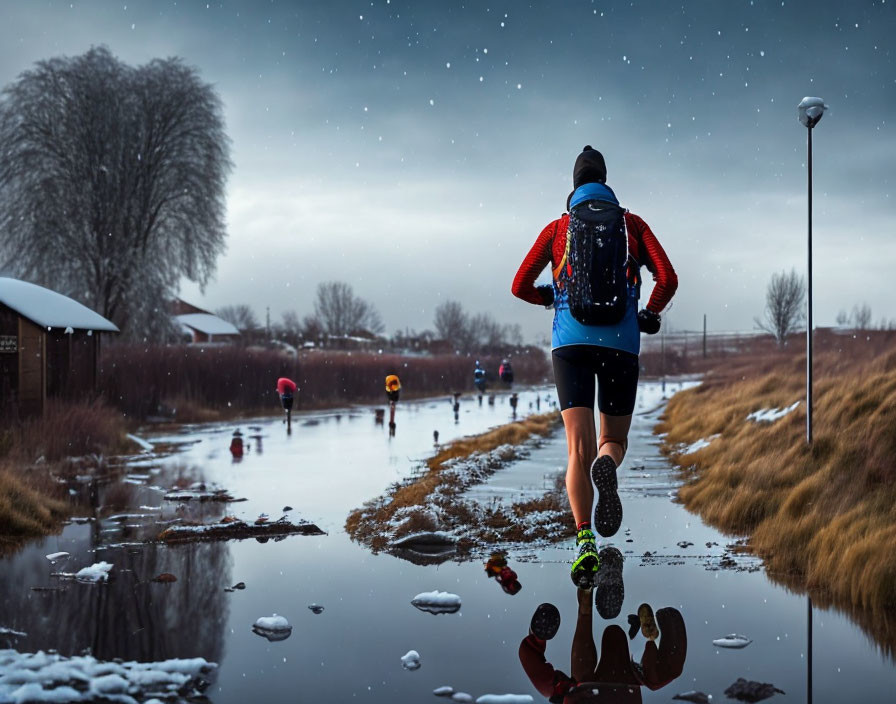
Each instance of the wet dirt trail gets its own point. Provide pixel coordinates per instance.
(351, 650)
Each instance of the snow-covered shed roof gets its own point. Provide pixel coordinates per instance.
(207, 324)
(50, 309)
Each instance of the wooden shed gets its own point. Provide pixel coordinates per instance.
(49, 346)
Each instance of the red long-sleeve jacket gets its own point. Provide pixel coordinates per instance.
(642, 244)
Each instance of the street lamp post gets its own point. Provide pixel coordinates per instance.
(810, 112)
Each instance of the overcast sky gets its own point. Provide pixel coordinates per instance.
(416, 149)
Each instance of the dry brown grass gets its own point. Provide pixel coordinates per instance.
(823, 517)
(28, 509)
(371, 519)
(30, 450)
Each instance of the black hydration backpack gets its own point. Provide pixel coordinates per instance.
(594, 266)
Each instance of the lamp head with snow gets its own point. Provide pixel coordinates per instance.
(811, 110)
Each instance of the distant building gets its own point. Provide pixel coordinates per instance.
(49, 346)
(202, 325)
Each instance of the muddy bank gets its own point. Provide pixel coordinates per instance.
(822, 517)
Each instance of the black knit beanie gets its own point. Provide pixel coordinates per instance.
(589, 168)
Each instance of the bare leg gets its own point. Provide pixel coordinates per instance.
(613, 436)
(583, 658)
(581, 443)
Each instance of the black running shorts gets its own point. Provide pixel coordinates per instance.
(575, 369)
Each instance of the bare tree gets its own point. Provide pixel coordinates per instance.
(241, 316)
(784, 309)
(861, 316)
(452, 323)
(842, 319)
(112, 181)
(340, 312)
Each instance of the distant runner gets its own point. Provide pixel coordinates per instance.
(596, 251)
(505, 371)
(479, 378)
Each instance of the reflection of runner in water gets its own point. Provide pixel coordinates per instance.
(609, 352)
(610, 675)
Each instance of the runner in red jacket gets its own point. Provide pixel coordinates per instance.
(608, 352)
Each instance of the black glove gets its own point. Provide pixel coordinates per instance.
(648, 321)
(547, 294)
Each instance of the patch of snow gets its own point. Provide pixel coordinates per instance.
(11, 632)
(699, 444)
(504, 699)
(768, 415)
(47, 677)
(274, 628)
(462, 697)
(732, 640)
(437, 602)
(141, 442)
(411, 660)
(50, 309)
(445, 691)
(273, 623)
(53, 556)
(97, 572)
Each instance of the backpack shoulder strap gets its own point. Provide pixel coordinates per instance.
(556, 271)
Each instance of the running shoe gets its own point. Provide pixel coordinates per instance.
(545, 621)
(609, 508)
(648, 622)
(610, 590)
(587, 560)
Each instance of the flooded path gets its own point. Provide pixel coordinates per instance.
(352, 650)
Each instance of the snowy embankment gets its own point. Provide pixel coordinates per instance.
(49, 677)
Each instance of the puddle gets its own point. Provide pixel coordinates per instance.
(350, 612)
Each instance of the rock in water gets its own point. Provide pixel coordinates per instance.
(273, 628)
(411, 660)
(437, 602)
(165, 578)
(693, 696)
(749, 691)
(732, 640)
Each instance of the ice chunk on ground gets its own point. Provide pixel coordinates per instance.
(504, 699)
(273, 628)
(768, 415)
(732, 640)
(97, 572)
(437, 602)
(411, 660)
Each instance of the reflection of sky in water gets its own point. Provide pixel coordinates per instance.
(352, 649)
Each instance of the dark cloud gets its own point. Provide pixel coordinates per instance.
(417, 149)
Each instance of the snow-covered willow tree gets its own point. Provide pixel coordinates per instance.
(112, 182)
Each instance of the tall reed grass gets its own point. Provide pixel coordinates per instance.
(146, 381)
(822, 516)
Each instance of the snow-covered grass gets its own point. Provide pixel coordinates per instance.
(50, 677)
(769, 415)
(433, 501)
